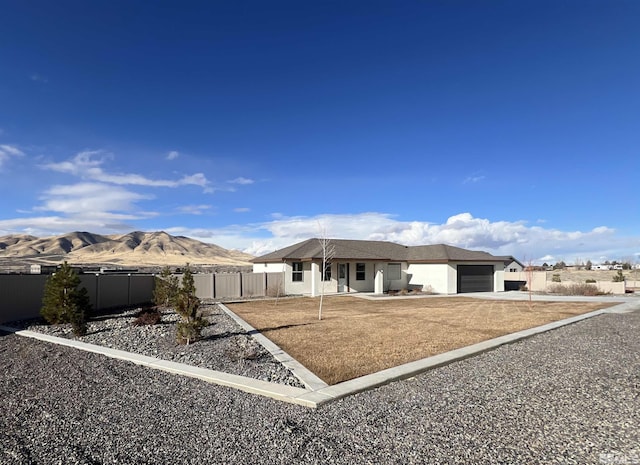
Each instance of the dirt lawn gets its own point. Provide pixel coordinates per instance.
(357, 337)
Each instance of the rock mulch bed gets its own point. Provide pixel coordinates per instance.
(225, 346)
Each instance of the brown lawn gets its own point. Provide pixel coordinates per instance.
(357, 337)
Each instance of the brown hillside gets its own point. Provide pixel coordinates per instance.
(133, 249)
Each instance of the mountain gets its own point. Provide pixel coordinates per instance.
(133, 249)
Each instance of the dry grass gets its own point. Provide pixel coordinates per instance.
(357, 337)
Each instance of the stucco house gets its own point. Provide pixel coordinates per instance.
(380, 266)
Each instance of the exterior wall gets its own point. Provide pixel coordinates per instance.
(268, 267)
(300, 287)
(498, 277)
(513, 267)
(365, 285)
(395, 284)
(434, 276)
(442, 278)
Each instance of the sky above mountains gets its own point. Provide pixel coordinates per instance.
(510, 127)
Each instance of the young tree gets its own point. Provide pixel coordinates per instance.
(166, 288)
(64, 302)
(187, 305)
(328, 252)
(618, 277)
(589, 265)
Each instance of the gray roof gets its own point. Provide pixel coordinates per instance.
(376, 250)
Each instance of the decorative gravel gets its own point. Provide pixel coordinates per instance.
(569, 396)
(225, 346)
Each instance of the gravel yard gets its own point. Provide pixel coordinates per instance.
(225, 345)
(567, 396)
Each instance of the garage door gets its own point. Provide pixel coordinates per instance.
(475, 278)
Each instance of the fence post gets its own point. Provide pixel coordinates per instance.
(240, 276)
(97, 307)
(129, 290)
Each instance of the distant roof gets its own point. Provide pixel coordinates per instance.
(509, 259)
(344, 249)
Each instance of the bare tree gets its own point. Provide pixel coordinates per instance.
(529, 273)
(328, 252)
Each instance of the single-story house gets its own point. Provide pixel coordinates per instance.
(380, 266)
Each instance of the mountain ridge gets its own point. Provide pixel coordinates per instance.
(136, 248)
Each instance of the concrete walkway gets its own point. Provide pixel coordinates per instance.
(317, 392)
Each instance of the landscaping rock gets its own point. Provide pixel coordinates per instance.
(225, 346)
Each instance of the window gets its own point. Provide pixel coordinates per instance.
(296, 272)
(326, 275)
(360, 274)
(393, 271)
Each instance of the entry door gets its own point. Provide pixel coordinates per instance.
(342, 277)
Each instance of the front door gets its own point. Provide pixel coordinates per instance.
(342, 277)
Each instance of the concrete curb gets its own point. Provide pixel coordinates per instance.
(318, 393)
(255, 386)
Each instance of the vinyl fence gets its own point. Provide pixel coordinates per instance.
(237, 285)
(21, 295)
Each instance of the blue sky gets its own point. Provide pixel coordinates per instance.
(511, 127)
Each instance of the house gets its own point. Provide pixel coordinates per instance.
(512, 265)
(380, 266)
(601, 267)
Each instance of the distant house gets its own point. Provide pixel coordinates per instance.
(513, 265)
(380, 266)
(601, 267)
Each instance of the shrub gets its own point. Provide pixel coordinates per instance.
(187, 305)
(618, 277)
(590, 281)
(64, 302)
(574, 289)
(148, 316)
(556, 278)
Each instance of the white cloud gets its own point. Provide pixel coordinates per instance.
(172, 155)
(475, 177)
(87, 166)
(8, 151)
(194, 209)
(463, 230)
(242, 181)
(53, 225)
(242, 210)
(89, 199)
